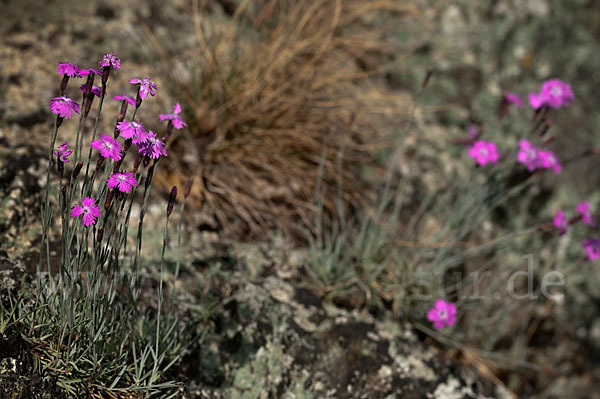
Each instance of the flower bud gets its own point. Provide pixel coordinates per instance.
(137, 162)
(77, 169)
(188, 187)
(109, 197)
(172, 197)
(138, 99)
(63, 84)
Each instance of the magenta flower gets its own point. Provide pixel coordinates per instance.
(556, 93)
(146, 87)
(528, 155)
(484, 152)
(586, 213)
(125, 97)
(535, 100)
(108, 146)
(62, 152)
(87, 71)
(560, 222)
(548, 160)
(66, 68)
(442, 314)
(174, 117)
(97, 90)
(513, 98)
(472, 132)
(123, 180)
(152, 147)
(592, 247)
(88, 209)
(110, 59)
(132, 130)
(64, 106)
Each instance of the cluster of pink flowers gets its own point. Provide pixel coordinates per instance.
(560, 221)
(554, 93)
(442, 314)
(134, 132)
(533, 158)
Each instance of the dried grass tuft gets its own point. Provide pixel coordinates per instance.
(286, 95)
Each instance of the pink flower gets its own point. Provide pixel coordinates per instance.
(535, 100)
(152, 147)
(174, 117)
(548, 160)
(110, 59)
(528, 155)
(66, 68)
(108, 146)
(97, 90)
(87, 71)
(62, 152)
(88, 209)
(513, 98)
(586, 213)
(124, 180)
(560, 222)
(146, 87)
(556, 93)
(132, 130)
(592, 247)
(125, 97)
(484, 152)
(473, 132)
(442, 314)
(64, 106)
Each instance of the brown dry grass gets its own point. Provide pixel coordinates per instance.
(288, 94)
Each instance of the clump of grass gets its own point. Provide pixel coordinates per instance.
(287, 82)
(88, 322)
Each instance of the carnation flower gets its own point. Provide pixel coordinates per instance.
(87, 71)
(592, 247)
(442, 314)
(110, 59)
(97, 90)
(66, 68)
(64, 106)
(484, 152)
(513, 98)
(132, 130)
(125, 97)
(146, 87)
(528, 155)
(560, 222)
(548, 160)
(178, 123)
(535, 100)
(62, 152)
(152, 146)
(88, 209)
(108, 146)
(586, 213)
(123, 180)
(554, 93)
